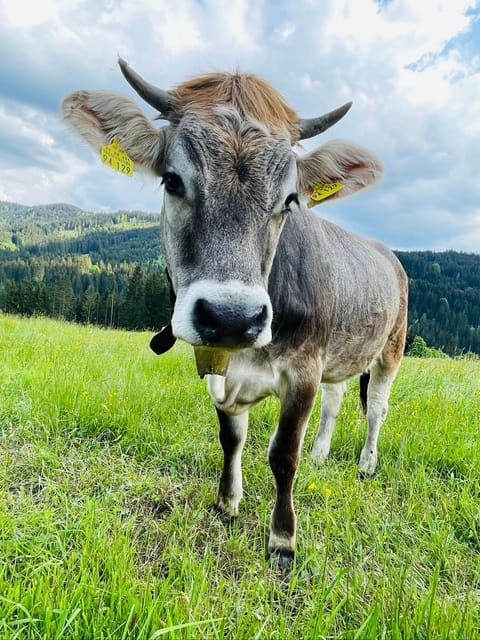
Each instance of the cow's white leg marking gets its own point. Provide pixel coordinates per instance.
(377, 408)
(282, 542)
(332, 398)
(233, 433)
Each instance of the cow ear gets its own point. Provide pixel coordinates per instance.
(163, 340)
(335, 170)
(102, 118)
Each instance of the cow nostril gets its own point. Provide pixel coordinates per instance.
(235, 325)
(206, 315)
(257, 321)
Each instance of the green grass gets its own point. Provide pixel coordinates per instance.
(109, 461)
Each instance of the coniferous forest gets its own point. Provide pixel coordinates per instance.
(104, 269)
(108, 269)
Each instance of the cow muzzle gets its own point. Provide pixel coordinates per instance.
(223, 325)
(225, 315)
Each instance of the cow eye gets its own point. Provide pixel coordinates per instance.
(173, 184)
(293, 197)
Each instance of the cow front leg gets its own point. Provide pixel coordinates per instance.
(233, 433)
(284, 456)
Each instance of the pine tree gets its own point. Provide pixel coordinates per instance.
(133, 312)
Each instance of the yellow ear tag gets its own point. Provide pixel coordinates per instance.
(324, 190)
(115, 157)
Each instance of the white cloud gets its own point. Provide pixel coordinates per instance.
(285, 31)
(425, 27)
(404, 63)
(26, 14)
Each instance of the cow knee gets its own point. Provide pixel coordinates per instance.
(282, 463)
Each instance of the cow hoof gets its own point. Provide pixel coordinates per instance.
(319, 459)
(281, 560)
(224, 517)
(365, 475)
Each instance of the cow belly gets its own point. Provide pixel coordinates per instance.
(348, 355)
(249, 379)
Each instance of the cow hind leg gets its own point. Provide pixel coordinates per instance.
(233, 433)
(364, 380)
(332, 398)
(382, 375)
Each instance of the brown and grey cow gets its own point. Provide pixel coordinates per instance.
(272, 297)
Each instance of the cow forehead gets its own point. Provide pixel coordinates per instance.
(229, 145)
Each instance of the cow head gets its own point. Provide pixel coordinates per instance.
(231, 180)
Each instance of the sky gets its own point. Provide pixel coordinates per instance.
(411, 68)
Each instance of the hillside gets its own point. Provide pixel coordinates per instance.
(444, 298)
(62, 229)
(101, 268)
(111, 461)
(108, 269)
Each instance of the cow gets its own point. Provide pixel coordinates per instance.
(274, 299)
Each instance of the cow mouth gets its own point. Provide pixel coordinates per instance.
(225, 316)
(217, 319)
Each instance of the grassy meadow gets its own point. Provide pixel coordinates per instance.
(109, 462)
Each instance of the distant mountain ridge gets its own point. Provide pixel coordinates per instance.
(66, 229)
(108, 268)
(102, 268)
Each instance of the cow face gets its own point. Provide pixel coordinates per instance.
(228, 189)
(231, 179)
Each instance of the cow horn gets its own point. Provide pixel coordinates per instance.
(157, 98)
(309, 127)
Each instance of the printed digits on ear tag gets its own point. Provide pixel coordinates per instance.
(115, 157)
(325, 190)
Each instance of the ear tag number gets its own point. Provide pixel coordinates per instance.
(324, 190)
(116, 158)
